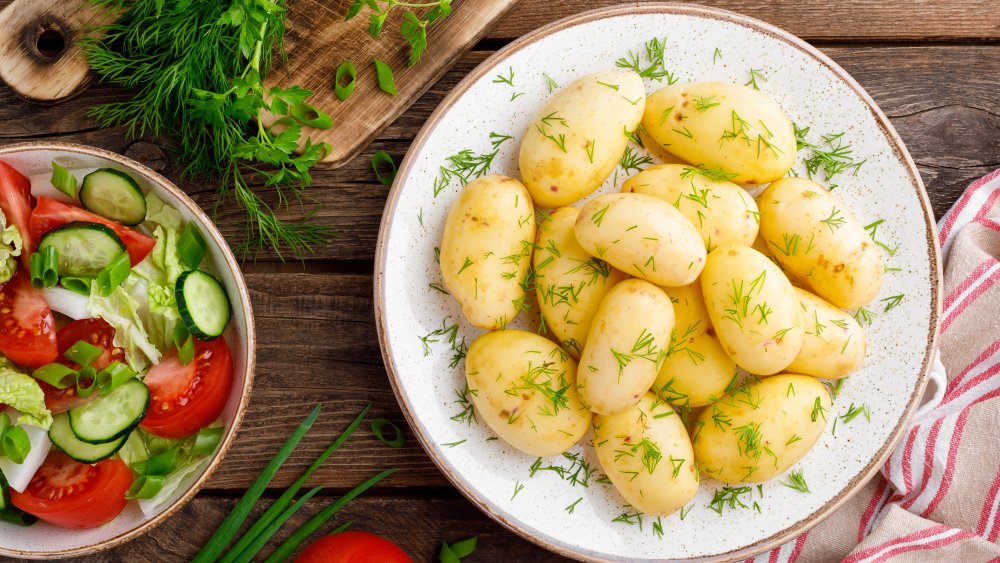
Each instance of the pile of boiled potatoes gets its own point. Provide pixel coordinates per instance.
(653, 297)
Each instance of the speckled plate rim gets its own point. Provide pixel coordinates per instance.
(488, 66)
(207, 227)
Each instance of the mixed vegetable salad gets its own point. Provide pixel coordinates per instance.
(113, 369)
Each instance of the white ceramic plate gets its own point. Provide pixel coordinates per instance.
(813, 91)
(44, 541)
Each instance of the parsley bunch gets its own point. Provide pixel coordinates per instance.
(198, 70)
(413, 28)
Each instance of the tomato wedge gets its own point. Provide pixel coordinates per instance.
(15, 200)
(27, 328)
(92, 331)
(185, 399)
(353, 547)
(49, 214)
(71, 494)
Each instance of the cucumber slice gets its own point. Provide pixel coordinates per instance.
(114, 195)
(62, 436)
(84, 248)
(111, 417)
(203, 304)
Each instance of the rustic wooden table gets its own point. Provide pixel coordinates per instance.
(933, 67)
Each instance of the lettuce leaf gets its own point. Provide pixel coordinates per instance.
(23, 393)
(142, 445)
(123, 311)
(10, 249)
(159, 213)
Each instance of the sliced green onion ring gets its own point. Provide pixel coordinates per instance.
(160, 464)
(77, 285)
(16, 444)
(145, 486)
(206, 441)
(383, 72)
(184, 343)
(191, 246)
(86, 382)
(380, 161)
(56, 375)
(63, 180)
(114, 274)
(83, 353)
(45, 267)
(113, 376)
(345, 70)
(379, 424)
(308, 115)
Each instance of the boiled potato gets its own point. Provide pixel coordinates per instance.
(578, 137)
(522, 385)
(569, 282)
(762, 428)
(696, 370)
(834, 344)
(690, 315)
(486, 250)
(646, 453)
(753, 308)
(723, 212)
(626, 346)
(814, 236)
(713, 125)
(643, 236)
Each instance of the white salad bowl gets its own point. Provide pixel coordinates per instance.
(502, 95)
(44, 541)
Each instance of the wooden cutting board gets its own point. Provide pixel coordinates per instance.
(40, 61)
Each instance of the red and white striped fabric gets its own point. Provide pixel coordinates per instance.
(938, 496)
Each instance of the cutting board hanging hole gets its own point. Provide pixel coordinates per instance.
(47, 41)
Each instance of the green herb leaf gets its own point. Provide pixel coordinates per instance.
(383, 72)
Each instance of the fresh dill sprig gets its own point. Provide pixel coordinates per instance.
(633, 161)
(655, 70)
(892, 301)
(466, 165)
(755, 74)
(730, 497)
(796, 481)
(837, 158)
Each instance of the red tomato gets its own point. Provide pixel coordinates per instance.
(71, 494)
(353, 547)
(49, 214)
(185, 399)
(93, 331)
(15, 200)
(27, 328)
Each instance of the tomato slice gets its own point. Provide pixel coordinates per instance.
(185, 399)
(353, 547)
(49, 214)
(27, 328)
(71, 494)
(15, 200)
(93, 331)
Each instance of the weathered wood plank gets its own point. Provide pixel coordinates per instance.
(942, 99)
(416, 524)
(852, 20)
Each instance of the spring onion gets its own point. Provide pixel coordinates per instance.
(224, 535)
(184, 343)
(314, 523)
(145, 487)
(114, 274)
(258, 543)
(63, 180)
(206, 441)
(191, 246)
(160, 464)
(397, 442)
(111, 377)
(13, 440)
(310, 116)
(82, 353)
(383, 72)
(380, 162)
(455, 552)
(56, 375)
(345, 70)
(86, 382)
(279, 505)
(45, 267)
(77, 285)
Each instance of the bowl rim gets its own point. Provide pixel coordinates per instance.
(208, 227)
(671, 8)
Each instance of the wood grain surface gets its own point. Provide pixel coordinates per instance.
(933, 67)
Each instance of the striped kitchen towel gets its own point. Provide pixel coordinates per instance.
(937, 498)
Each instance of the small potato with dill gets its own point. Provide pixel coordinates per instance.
(643, 236)
(524, 387)
(834, 343)
(646, 453)
(577, 138)
(815, 237)
(570, 283)
(625, 347)
(486, 250)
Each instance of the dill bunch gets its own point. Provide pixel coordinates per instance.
(197, 68)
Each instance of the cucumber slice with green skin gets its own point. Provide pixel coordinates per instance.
(62, 436)
(111, 417)
(114, 195)
(84, 248)
(203, 304)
